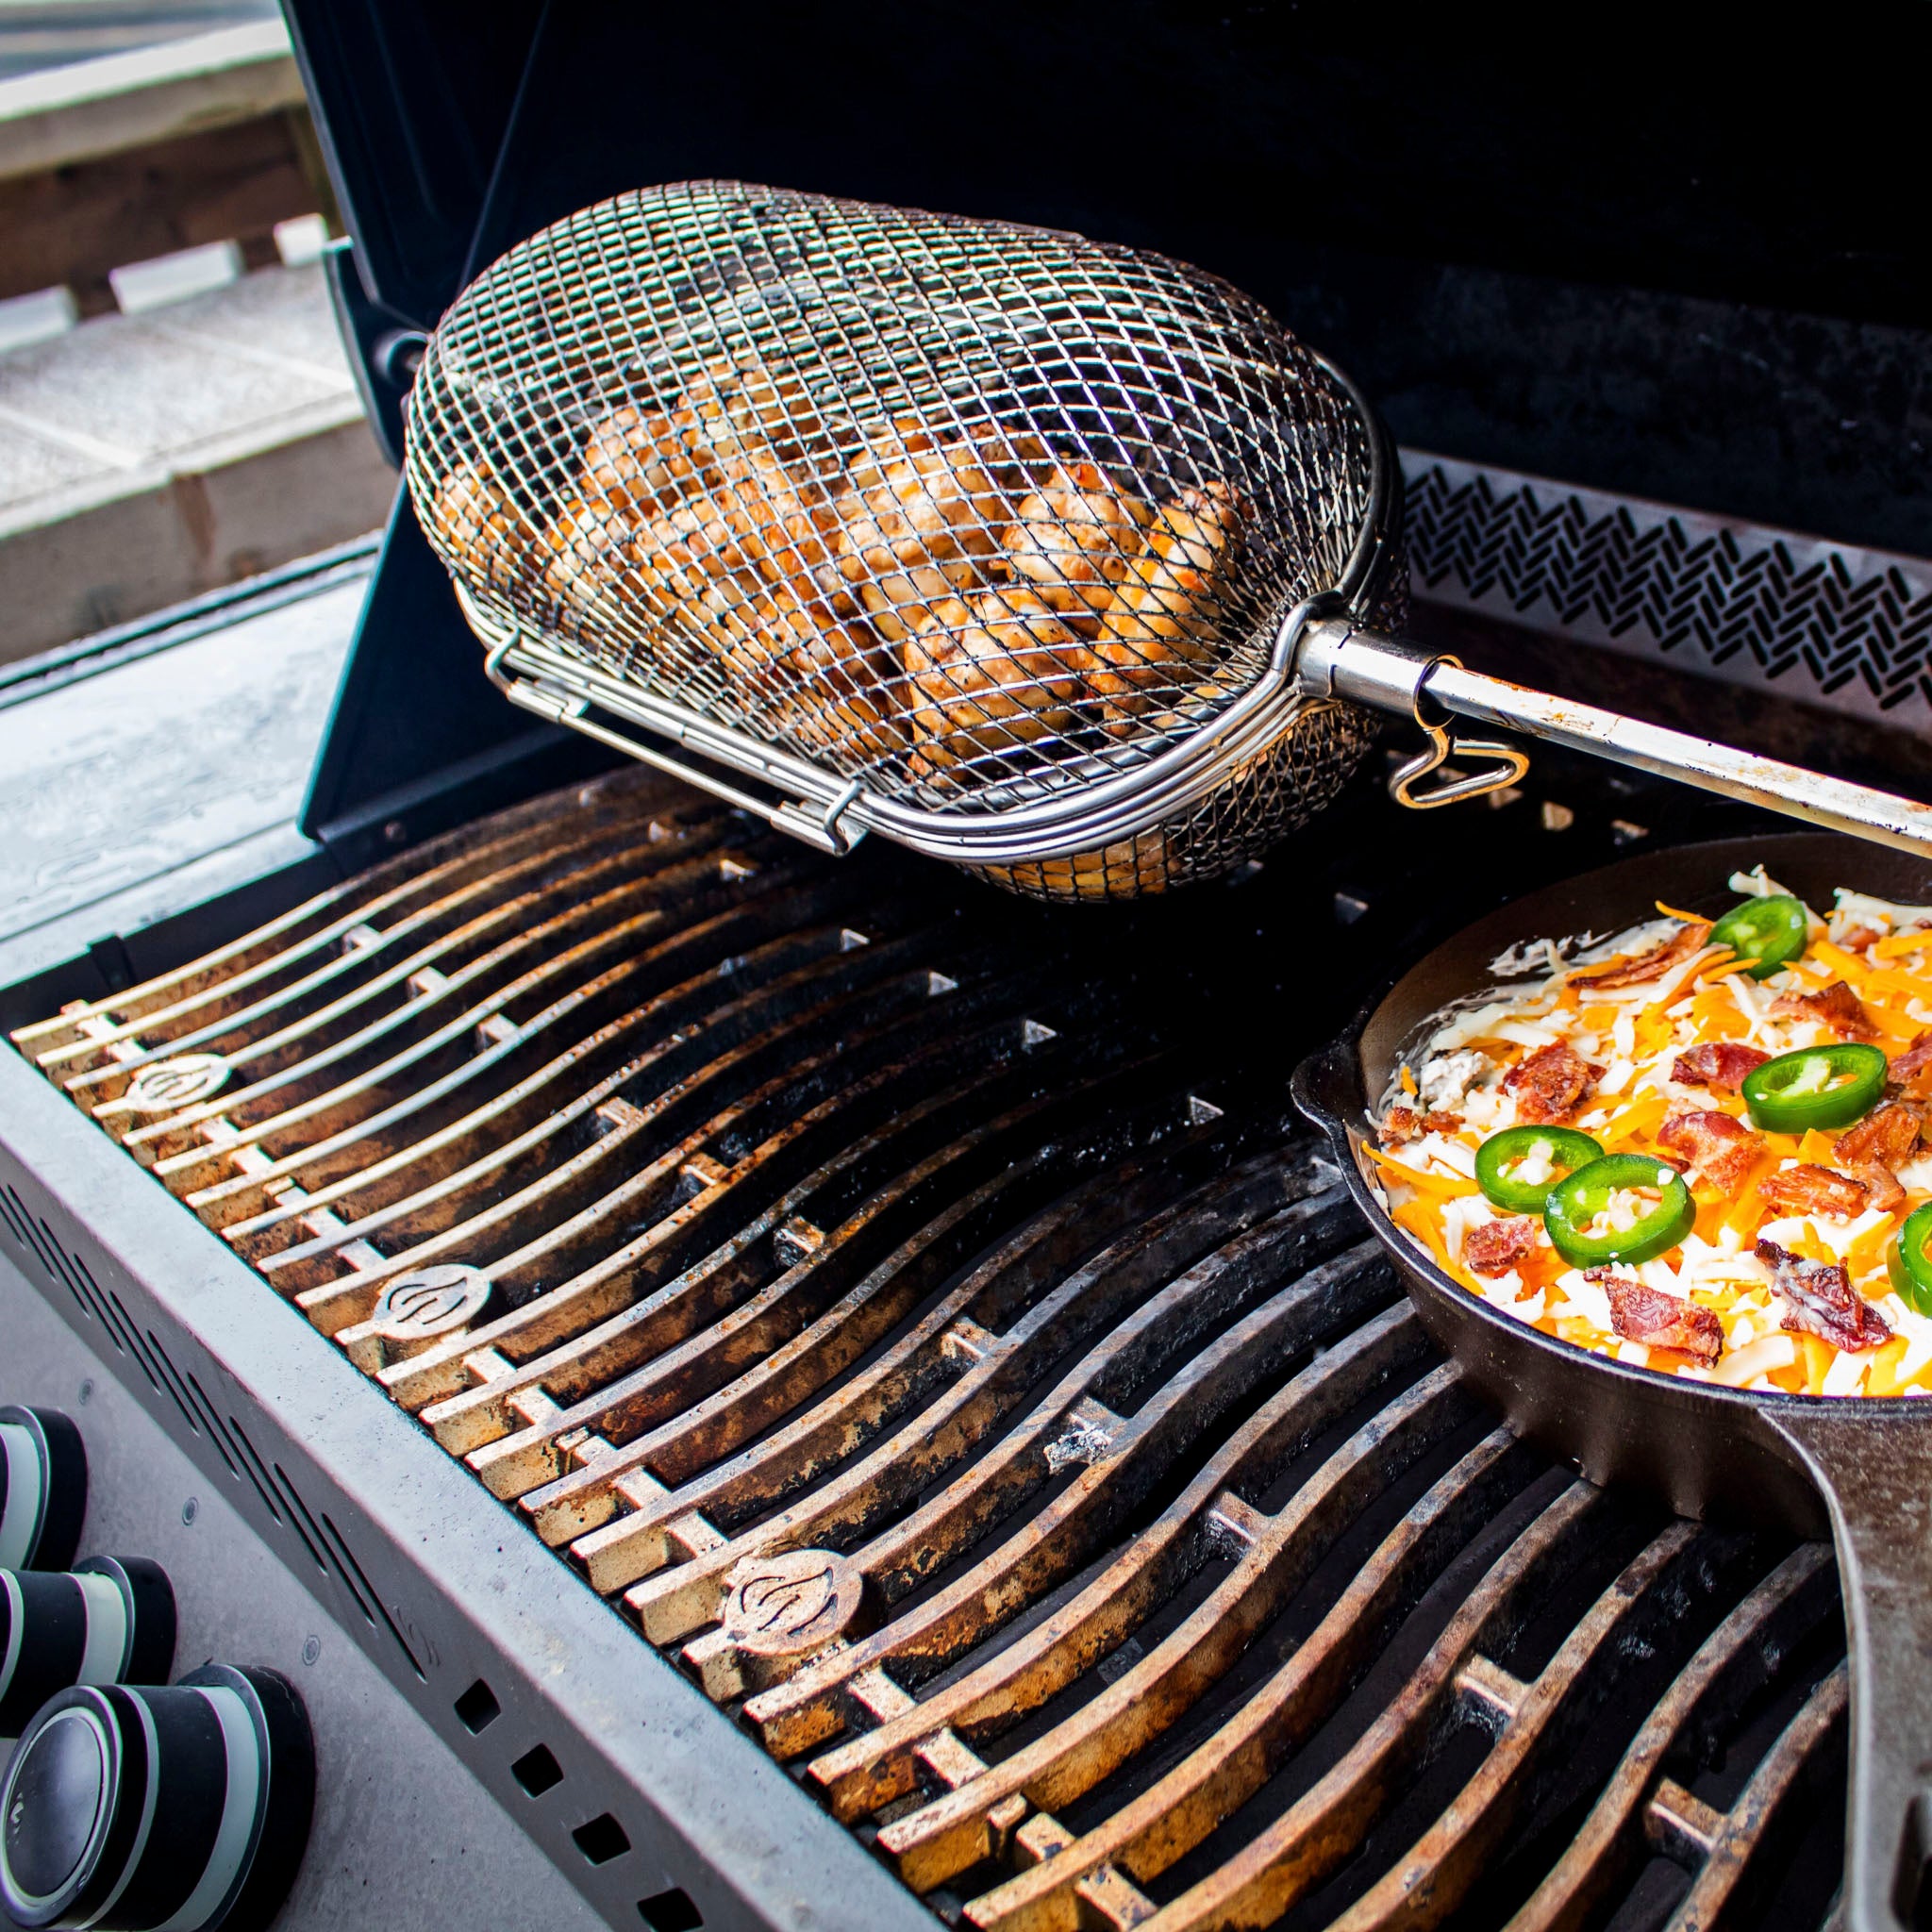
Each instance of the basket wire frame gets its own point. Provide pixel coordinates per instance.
(963, 513)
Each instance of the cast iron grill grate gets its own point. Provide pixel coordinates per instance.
(994, 1407)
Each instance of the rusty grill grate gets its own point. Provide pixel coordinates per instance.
(999, 1412)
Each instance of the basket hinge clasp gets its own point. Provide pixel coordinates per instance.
(1334, 659)
(818, 827)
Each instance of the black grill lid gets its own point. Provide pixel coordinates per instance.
(1679, 265)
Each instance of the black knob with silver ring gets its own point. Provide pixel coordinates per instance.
(43, 1488)
(109, 1621)
(188, 1807)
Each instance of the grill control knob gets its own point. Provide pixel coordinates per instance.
(43, 1488)
(109, 1622)
(185, 1806)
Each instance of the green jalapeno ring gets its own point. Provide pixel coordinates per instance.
(1908, 1263)
(1577, 1199)
(1567, 1150)
(1770, 932)
(1821, 1087)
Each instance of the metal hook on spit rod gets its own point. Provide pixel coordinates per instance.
(1336, 659)
(1395, 679)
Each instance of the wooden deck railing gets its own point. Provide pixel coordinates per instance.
(119, 160)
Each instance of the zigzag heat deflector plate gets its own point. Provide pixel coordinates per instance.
(1825, 623)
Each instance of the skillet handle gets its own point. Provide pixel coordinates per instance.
(1873, 1464)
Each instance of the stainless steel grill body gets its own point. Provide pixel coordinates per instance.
(990, 1404)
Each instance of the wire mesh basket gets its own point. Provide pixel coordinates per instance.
(986, 537)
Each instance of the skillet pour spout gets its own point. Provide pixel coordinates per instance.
(1857, 1470)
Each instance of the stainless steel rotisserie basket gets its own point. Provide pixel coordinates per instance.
(990, 539)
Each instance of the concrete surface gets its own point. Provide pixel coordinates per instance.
(52, 116)
(145, 458)
(36, 35)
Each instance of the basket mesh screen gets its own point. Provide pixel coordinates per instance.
(965, 510)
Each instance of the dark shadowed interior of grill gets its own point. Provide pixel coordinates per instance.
(919, 1315)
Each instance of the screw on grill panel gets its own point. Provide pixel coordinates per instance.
(1140, 1467)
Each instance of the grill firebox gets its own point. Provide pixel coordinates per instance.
(940, 1353)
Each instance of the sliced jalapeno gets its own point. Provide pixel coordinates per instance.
(1769, 932)
(1578, 1199)
(1551, 1152)
(1908, 1264)
(1816, 1087)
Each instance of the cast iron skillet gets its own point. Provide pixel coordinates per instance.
(1862, 1470)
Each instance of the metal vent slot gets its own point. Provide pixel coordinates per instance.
(171, 1381)
(992, 1405)
(38, 1248)
(256, 1472)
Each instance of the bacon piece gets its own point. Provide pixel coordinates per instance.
(1722, 1150)
(1807, 1189)
(1658, 1320)
(1550, 1084)
(1834, 1005)
(1720, 1063)
(1401, 1123)
(1820, 1300)
(1859, 939)
(1881, 1186)
(1496, 1246)
(1909, 1068)
(1888, 1135)
(1689, 938)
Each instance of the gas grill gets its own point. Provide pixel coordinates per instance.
(844, 1398)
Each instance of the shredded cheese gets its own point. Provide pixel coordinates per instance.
(1634, 1038)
